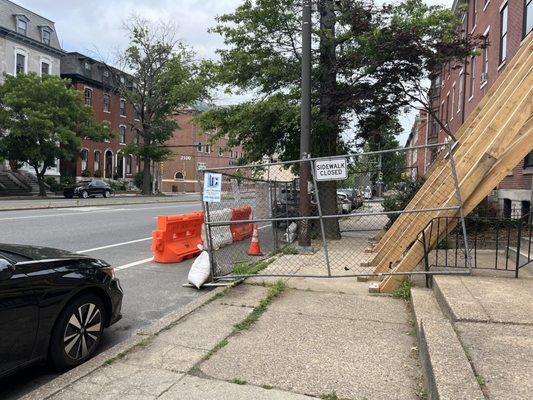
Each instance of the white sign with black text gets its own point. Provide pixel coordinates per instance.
(212, 187)
(331, 170)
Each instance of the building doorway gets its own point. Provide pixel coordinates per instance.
(108, 170)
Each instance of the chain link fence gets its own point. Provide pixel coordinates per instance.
(346, 212)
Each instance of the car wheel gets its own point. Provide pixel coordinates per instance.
(77, 332)
(85, 194)
(107, 193)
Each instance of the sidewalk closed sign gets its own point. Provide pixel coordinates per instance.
(212, 187)
(331, 170)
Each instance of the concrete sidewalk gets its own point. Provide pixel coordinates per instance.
(7, 204)
(293, 339)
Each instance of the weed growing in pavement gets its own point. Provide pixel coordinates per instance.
(404, 291)
(480, 380)
(285, 250)
(239, 381)
(218, 346)
(267, 387)
(248, 268)
(217, 296)
(273, 292)
(195, 371)
(329, 396)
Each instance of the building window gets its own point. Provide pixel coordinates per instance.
(199, 146)
(528, 17)
(87, 66)
(84, 158)
(122, 134)
(208, 148)
(107, 103)
(123, 107)
(472, 75)
(528, 160)
(22, 26)
(220, 151)
(136, 136)
(503, 32)
(179, 176)
(45, 36)
(485, 67)
(45, 68)
(20, 66)
(138, 165)
(461, 91)
(453, 100)
(129, 160)
(96, 161)
(88, 97)
(474, 13)
(447, 115)
(464, 20)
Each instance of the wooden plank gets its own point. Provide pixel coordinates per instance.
(520, 147)
(492, 98)
(497, 133)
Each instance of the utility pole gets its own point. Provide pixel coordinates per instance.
(304, 237)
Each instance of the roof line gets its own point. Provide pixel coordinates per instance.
(30, 11)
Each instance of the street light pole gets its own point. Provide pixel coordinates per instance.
(304, 237)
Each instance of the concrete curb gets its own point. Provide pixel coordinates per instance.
(124, 203)
(61, 382)
(447, 371)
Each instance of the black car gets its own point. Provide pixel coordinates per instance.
(88, 188)
(54, 306)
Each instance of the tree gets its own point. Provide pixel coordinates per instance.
(163, 79)
(366, 59)
(43, 120)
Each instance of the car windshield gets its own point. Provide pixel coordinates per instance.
(12, 257)
(82, 183)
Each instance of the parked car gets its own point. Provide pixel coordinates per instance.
(54, 306)
(344, 204)
(354, 195)
(88, 188)
(367, 194)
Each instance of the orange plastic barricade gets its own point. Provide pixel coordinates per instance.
(241, 231)
(177, 237)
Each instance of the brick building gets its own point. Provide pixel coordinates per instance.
(417, 161)
(101, 159)
(504, 25)
(192, 150)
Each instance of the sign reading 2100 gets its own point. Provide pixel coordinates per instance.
(331, 170)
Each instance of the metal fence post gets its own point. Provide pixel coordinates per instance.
(322, 229)
(207, 227)
(460, 201)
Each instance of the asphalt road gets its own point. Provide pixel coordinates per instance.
(121, 235)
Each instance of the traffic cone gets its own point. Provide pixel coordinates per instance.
(255, 250)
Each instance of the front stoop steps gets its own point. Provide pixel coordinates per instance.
(447, 371)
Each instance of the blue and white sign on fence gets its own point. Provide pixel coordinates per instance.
(212, 187)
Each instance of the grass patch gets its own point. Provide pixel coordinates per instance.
(217, 296)
(288, 250)
(404, 291)
(258, 310)
(329, 396)
(249, 268)
(239, 381)
(480, 380)
(142, 344)
(218, 346)
(195, 371)
(267, 387)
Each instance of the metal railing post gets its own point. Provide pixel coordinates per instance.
(322, 229)
(207, 227)
(460, 201)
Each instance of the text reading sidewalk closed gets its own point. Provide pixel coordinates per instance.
(331, 170)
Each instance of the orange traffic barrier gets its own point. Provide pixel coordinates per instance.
(177, 237)
(255, 250)
(241, 231)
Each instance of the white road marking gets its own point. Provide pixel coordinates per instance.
(114, 245)
(133, 264)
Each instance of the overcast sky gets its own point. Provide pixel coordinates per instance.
(94, 27)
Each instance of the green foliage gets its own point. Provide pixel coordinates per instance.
(368, 62)
(86, 173)
(239, 381)
(329, 396)
(250, 268)
(119, 185)
(164, 78)
(401, 196)
(404, 291)
(98, 173)
(41, 120)
(138, 180)
(53, 184)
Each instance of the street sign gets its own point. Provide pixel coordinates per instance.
(331, 170)
(212, 187)
(201, 166)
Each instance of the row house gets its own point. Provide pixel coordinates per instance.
(193, 149)
(97, 83)
(417, 160)
(28, 43)
(503, 26)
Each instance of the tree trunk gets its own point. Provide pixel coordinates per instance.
(147, 177)
(328, 136)
(40, 181)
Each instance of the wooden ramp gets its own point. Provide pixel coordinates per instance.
(491, 142)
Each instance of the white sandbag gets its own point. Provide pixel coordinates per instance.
(200, 270)
(220, 235)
